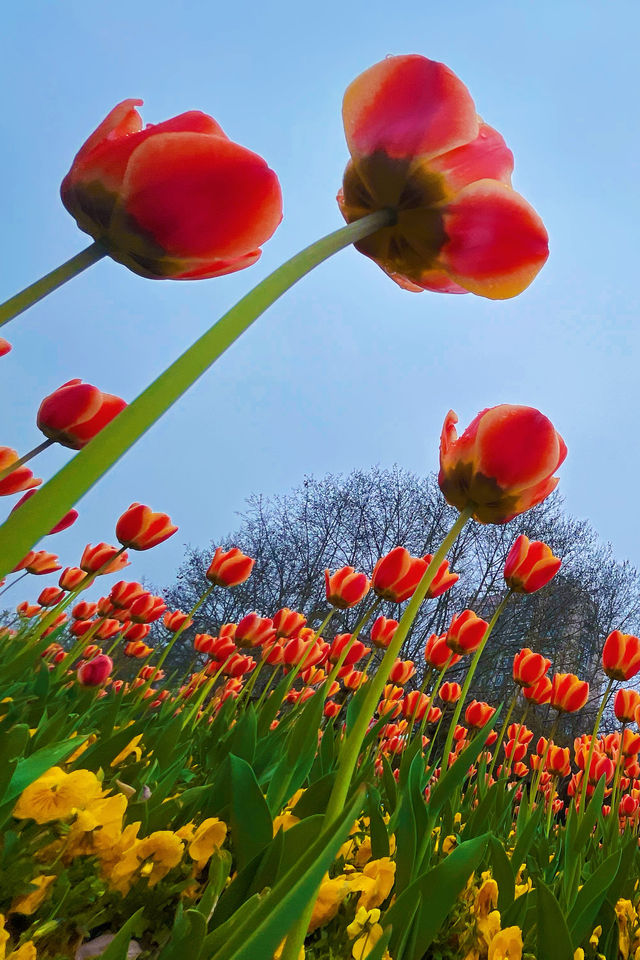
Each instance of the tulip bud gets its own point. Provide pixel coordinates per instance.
(478, 713)
(382, 632)
(415, 705)
(253, 630)
(625, 705)
(437, 652)
(397, 574)
(84, 610)
(21, 478)
(50, 596)
(530, 565)
(137, 649)
(136, 631)
(102, 555)
(466, 632)
(558, 761)
(176, 621)
(95, 672)
(139, 528)
(402, 671)
(539, 692)
(503, 463)
(287, 623)
(621, 656)
(229, 568)
(74, 413)
(356, 650)
(345, 588)
(147, 609)
(568, 693)
(529, 667)
(450, 692)
(39, 562)
(71, 578)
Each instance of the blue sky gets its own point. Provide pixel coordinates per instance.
(346, 370)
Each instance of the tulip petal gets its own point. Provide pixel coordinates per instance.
(496, 242)
(408, 106)
(200, 195)
(122, 121)
(485, 158)
(518, 447)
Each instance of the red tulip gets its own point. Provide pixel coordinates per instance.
(273, 654)
(5, 347)
(450, 692)
(67, 521)
(397, 574)
(415, 705)
(147, 609)
(515, 751)
(419, 147)
(354, 679)
(625, 704)
(443, 579)
(345, 588)
(311, 652)
(39, 562)
(20, 478)
(229, 568)
(238, 665)
(568, 693)
(136, 632)
(174, 200)
(287, 623)
(136, 649)
(222, 648)
(74, 413)
(558, 761)
(529, 667)
(437, 652)
(478, 713)
(356, 651)
(517, 731)
(621, 655)
(466, 632)
(139, 528)
(253, 630)
(503, 463)
(50, 596)
(530, 565)
(102, 555)
(124, 592)
(95, 672)
(382, 632)
(331, 709)
(176, 620)
(402, 671)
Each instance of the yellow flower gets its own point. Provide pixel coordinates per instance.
(487, 928)
(55, 794)
(506, 945)
(26, 952)
(97, 828)
(365, 944)
(278, 954)
(375, 882)
(449, 843)
(331, 894)
(361, 920)
(286, 820)
(187, 832)
(625, 914)
(209, 836)
(90, 740)
(131, 748)
(594, 939)
(28, 903)
(4, 936)
(578, 954)
(486, 898)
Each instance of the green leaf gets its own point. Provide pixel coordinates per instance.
(30, 768)
(591, 897)
(249, 818)
(315, 798)
(503, 873)
(187, 937)
(554, 941)
(117, 949)
(433, 895)
(457, 773)
(588, 821)
(526, 838)
(242, 742)
(263, 930)
(377, 826)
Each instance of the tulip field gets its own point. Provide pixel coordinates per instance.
(300, 792)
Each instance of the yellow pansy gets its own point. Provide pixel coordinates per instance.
(97, 828)
(365, 944)
(486, 898)
(330, 895)
(26, 952)
(449, 843)
(278, 954)
(578, 954)
(594, 939)
(209, 836)
(4, 936)
(625, 914)
(362, 919)
(506, 945)
(28, 903)
(284, 821)
(375, 882)
(55, 794)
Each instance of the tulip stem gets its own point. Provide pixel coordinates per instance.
(13, 582)
(28, 456)
(503, 730)
(592, 744)
(55, 498)
(50, 282)
(467, 681)
(351, 746)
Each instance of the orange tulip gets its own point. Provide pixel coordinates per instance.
(74, 413)
(503, 463)
(136, 632)
(621, 655)
(558, 761)
(71, 578)
(397, 574)
(174, 200)
(382, 632)
(287, 623)
(147, 609)
(253, 630)
(136, 649)
(27, 610)
(437, 652)
(20, 478)
(402, 671)
(124, 592)
(568, 693)
(139, 528)
(356, 652)
(39, 562)
(176, 620)
(450, 692)
(103, 555)
(50, 596)
(539, 692)
(530, 565)
(419, 147)
(466, 632)
(346, 587)
(529, 667)
(229, 568)
(478, 713)
(625, 705)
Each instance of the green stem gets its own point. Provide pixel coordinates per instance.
(543, 760)
(353, 743)
(552, 790)
(503, 729)
(616, 777)
(50, 282)
(517, 737)
(24, 574)
(587, 769)
(432, 697)
(194, 609)
(36, 517)
(467, 680)
(267, 687)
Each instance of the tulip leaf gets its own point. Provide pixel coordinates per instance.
(119, 946)
(591, 897)
(458, 771)
(266, 926)
(431, 897)
(377, 826)
(32, 767)
(187, 937)
(503, 873)
(554, 940)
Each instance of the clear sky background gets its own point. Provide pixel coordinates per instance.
(347, 370)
